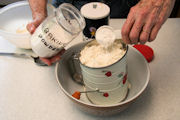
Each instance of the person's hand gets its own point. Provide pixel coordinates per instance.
(39, 13)
(145, 19)
(37, 19)
(50, 61)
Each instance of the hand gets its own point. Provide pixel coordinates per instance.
(39, 13)
(50, 61)
(37, 19)
(145, 19)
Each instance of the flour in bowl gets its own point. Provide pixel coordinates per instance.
(22, 29)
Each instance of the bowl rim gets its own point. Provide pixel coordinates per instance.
(113, 105)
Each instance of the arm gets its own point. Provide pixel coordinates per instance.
(39, 13)
(145, 19)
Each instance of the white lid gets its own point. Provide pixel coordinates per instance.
(95, 10)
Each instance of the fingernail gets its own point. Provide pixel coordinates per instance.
(32, 29)
(150, 40)
(126, 41)
(46, 61)
(142, 42)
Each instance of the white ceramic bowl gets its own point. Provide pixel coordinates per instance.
(138, 76)
(13, 20)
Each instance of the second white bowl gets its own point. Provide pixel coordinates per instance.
(13, 20)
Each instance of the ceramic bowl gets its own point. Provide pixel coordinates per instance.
(138, 76)
(13, 20)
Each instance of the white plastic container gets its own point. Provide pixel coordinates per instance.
(96, 14)
(57, 31)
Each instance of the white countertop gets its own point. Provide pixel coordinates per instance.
(31, 92)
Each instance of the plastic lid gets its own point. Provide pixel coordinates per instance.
(95, 10)
(146, 51)
(70, 18)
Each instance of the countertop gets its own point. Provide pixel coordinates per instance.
(31, 92)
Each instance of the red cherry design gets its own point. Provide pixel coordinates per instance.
(124, 79)
(108, 74)
(105, 94)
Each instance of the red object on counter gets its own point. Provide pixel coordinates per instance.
(146, 51)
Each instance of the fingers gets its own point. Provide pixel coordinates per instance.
(140, 29)
(154, 32)
(127, 28)
(146, 30)
(156, 27)
(57, 57)
(142, 24)
(46, 61)
(50, 61)
(31, 27)
(135, 31)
